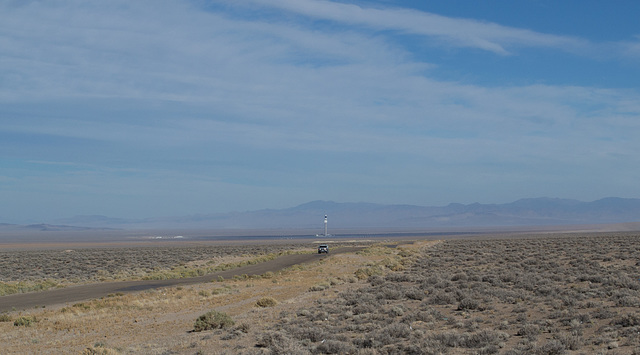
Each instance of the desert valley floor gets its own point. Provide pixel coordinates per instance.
(564, 293)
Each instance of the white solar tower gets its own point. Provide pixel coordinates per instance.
(325, 225)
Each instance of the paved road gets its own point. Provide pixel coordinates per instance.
(73, 294)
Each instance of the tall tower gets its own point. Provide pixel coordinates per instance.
(325, 225)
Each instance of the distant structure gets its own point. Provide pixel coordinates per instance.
(325, 228)
(325, 225)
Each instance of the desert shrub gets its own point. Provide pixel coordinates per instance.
(365, 273)
(361, 296)
(243, 327)
(431, 279)
(396, 311)
(350, 279)
(266, 302)
(441, 298)
(529, 331)
(422, 316)
(232, 334)
(552, 347)
(627, 320)
(471, 325)
(5, 318)
(399, 277)
(449, 339)
(414, 293)
(389, 292)
(628, 301)
(25, 321)
(368, 342)
(603, 313)
(571, 342)
(488, 350)
(481, 339)
(427, 346)
(397, 330)
(99, 349)
(459, 276)
(212, 320)
(376, 280)
(593, 278)
(382, 339)
(583, 318)
(279, 343)
(303, 313)
(272, 339)
(305, 331)
(319, 315)
(320, 287)
(365, 308)
(335, 347)
(520, 309)
(485, 338)
(469, 304)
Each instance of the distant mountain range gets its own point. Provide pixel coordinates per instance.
(310, 216)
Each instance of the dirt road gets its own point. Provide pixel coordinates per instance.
(23, 301)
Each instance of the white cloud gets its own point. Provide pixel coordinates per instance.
(631, 48)
(454, 31)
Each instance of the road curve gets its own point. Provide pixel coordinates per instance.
(24, 301)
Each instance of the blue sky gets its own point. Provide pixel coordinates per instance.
(163, 108)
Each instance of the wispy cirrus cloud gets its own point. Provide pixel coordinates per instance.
(631, 48)
(458, 32)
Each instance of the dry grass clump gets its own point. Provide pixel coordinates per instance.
(266, 302)
(213, 320)
(7, 288)
(184, 271)
(552, 295)
(25, 321)
(100, 349)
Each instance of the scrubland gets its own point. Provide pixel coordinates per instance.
(36, 270)
(551, 294)
(556, 295)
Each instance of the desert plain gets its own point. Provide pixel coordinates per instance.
(537, 293)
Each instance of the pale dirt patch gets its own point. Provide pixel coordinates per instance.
(160, 321)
